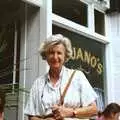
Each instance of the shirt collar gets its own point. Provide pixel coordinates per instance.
(61, 73)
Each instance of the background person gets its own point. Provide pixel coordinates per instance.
(2, 103)
(111, 112)
(46, 91)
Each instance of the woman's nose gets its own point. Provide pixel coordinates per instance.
(55, 55)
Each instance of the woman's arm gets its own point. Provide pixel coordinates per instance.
(87, 111)
(34, 118)
(82, 112)
(38, 118)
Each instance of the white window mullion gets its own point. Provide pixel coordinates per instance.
(91, 24)
(15, 57)
(45, 25)
(34, 2)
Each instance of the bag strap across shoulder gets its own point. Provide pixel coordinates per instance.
(66, 88)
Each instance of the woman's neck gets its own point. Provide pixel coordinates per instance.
(54, 75)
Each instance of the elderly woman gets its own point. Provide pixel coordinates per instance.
(46, 92)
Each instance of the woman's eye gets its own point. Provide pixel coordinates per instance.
(59, 53)
(51, 52)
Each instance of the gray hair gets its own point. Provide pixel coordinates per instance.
(55, 40)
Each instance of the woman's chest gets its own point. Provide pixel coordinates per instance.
(52, 96)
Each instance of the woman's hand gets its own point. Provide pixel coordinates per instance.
(37, 118)
(49, 119)
(61, 112)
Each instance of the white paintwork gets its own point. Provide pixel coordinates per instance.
(65, 23)
(45, 28)
(114, 53)
(34, 2)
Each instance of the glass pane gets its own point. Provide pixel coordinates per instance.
(6, 53)
(99, 22)
(73, 10)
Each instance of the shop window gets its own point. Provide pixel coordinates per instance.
(99, 22)
(9, 42)
(73, 10)
(9, 54)
(9, 9)
(6, 53)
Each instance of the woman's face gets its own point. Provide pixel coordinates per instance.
(56, 56)
(117, 116)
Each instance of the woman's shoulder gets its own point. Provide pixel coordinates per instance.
(78, 74)
(40, 80)
(71, 70)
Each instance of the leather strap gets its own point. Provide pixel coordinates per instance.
(66, 88)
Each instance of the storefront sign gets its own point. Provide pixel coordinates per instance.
(88, 58)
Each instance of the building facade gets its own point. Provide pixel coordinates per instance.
(93, 27)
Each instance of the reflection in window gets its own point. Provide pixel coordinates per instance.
(6, 53)
(7, 41)
(99, 22)
(73, 10)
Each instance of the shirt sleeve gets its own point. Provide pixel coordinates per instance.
(34, 105)
(88, 95)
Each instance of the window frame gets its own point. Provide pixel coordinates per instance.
(87, 31)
